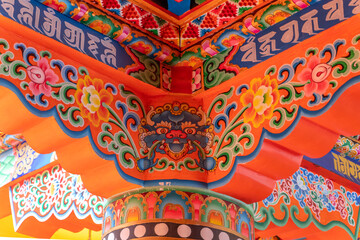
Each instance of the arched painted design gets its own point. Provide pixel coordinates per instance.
(173, 211)
(245, 229)
(152, 208)
(109, 218)
(134, 209)
(132, 214)
(215, 211)
(215, 217)
(172, 205)
(118, 212)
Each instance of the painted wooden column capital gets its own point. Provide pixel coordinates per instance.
(177, 213)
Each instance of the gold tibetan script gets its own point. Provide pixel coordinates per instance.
(346, 167)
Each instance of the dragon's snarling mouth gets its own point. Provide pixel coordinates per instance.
(176, 149)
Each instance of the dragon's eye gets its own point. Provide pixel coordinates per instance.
(190, 130)
(162, 130)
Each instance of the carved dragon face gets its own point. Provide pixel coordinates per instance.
(176, 130)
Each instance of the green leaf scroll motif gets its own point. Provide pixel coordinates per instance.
(213, 76)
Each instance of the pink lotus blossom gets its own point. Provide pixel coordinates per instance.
(316, 73)
(40, 75)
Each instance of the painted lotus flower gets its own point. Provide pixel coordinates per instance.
(166, 79)
(300, 184)
(261, 99)
(40, 75)
(91, 98)
(196, 79)
(316, 73)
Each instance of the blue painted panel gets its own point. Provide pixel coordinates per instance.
(177, 7)
(55, 25)
(295, 29)
(345, 167)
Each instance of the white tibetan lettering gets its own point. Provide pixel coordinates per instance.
(26, 13)
(8, 6)
(311, 24)
(356, 5)
(250, 51)
(336, 10)
(93, 45)
(74, 36)
(268, 45)
(52, 25)
(109, 56)
(291, 32)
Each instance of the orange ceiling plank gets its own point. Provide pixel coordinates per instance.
(111, 182)
(310, 139)
(275, 161)
(245, 181)
(46, 136)
(18, 118)
(83, 154)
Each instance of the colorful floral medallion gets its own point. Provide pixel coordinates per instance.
(40, 76)
(92, 99)
(261, 99)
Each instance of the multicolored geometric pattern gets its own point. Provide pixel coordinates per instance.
(143, 19)
(192, 211)
(214, 19)
(307, 198)
(53, 193)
